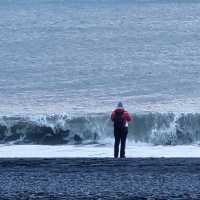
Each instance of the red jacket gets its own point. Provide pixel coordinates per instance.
(126, 116)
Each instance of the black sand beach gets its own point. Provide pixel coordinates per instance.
(100, 178)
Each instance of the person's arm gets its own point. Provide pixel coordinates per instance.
(127, 116)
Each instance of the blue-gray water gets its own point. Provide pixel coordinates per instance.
(85, 55)
(82, 56)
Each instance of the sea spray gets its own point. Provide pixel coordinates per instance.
(152, 128)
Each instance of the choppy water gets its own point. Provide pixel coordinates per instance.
(85, 55)
(152, 128)
(82, 57)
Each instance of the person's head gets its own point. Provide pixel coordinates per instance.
(120, 105)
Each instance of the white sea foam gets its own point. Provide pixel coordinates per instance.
(150, 128)
(65, 151)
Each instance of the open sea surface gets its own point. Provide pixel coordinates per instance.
(65, 64)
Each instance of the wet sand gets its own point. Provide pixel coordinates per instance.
(100, 178)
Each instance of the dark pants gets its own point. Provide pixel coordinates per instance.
(120, 137)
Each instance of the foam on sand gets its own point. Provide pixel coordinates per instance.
(45, 151)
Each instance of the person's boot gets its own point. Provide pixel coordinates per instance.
(122, 153)
(122, 156)
(116, 154)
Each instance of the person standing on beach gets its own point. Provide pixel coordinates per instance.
(120, 118)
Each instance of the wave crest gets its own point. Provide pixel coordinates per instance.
(154, 128)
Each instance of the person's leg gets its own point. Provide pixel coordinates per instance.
(117, 141)
(123, 142)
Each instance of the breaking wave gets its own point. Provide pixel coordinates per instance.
(154, 128)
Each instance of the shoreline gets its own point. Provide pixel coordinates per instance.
(100, 151)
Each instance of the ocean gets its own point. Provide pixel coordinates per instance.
(65, 64)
